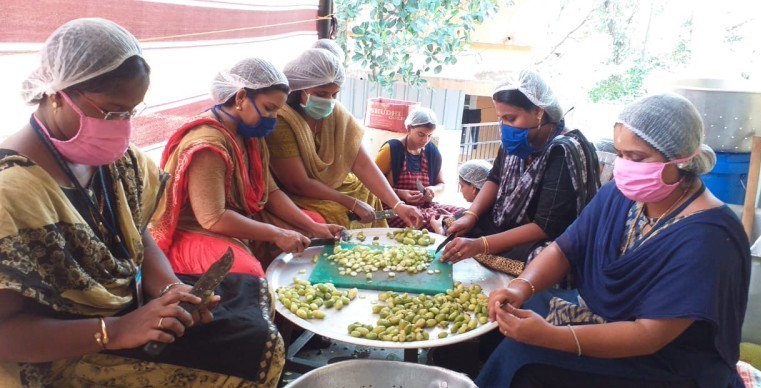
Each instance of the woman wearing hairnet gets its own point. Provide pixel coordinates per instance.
(317, 153)
(663, 269)
(221, 193)
(82, 284)
(472, 176)
(543, 176)
(413, 163)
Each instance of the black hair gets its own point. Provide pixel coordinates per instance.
(252, 93)
(515, 98)
(112, 82)
(294, 99)
(428, 126)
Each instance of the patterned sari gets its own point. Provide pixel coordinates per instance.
(52, 255)
(522, 183)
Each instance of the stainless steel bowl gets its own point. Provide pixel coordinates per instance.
(381, 374)
(731, 111)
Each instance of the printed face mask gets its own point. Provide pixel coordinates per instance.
(318, 107)
(643, 182)
(97, 142)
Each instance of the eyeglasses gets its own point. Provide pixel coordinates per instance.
(115, 115)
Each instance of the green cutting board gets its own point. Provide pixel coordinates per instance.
(326, 271)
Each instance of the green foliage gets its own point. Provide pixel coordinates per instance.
(616, 20)
(628, 85)
(619, 87)
(398, 40)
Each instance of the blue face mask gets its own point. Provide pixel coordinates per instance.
(515, 141)
(264, 127)
(318, 107)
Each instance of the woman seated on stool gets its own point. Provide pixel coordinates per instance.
(663, 269)
(413, 163)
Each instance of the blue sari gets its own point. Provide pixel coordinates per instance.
(697, 268)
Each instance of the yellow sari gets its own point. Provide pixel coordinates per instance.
(327, 157)
(50, 255)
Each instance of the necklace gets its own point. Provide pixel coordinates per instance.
(658, 220)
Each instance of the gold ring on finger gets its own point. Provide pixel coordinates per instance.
(161, 323)
(459, 254)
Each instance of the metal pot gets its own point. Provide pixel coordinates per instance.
(380, 373)
(731, 111)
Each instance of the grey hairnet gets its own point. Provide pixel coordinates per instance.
(605, 145)
(77, 51)
(420, 116)
(314, 67)
(251, 73)
(475, 172)
(533, 86)
(332, 46)
(670, 124)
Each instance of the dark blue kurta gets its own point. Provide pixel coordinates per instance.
(697, 268)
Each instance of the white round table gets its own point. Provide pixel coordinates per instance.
(287, 266)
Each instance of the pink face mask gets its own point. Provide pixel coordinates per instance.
(98, 141)
(643, 182)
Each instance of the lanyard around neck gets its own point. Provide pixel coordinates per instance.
(110, 225)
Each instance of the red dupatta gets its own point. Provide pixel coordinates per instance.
(251, 175)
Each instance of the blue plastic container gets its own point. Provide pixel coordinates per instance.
(728, 179)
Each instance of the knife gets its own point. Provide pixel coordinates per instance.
(419, 186)
(204, 289)
(445, 242)
(379, 215)
(319, 242)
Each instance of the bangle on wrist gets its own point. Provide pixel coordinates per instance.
(486, 245)
(169, 287)
(396, 205)
(533, 289)
(354, 205)
(575, 338)
(101, 337)
(471, 213)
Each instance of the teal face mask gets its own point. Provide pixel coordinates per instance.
(318, 107)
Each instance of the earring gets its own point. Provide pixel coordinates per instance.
(55, 107)
(238, 107)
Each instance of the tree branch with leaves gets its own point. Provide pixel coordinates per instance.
(400, 40)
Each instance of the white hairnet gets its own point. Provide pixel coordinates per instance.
(670, 123)
(606, 154)
(251, 73)
(314, 67)
(532, 85)
(420, 116)
(332, 46)
(79, 50)
(475, 172)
